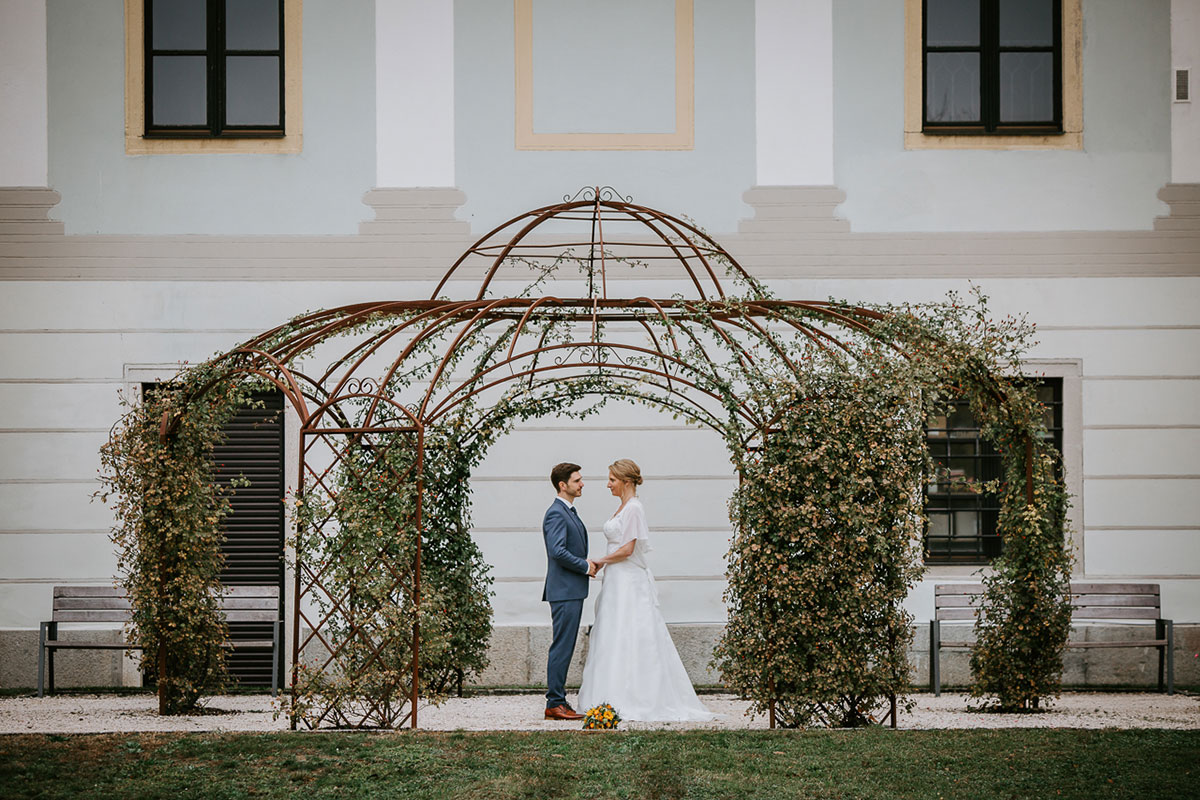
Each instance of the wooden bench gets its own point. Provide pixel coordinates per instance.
(111, 604)
(1091, 602)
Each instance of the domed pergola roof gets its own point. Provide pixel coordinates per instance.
(606, 236)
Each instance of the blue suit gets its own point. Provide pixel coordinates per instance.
(565, 589)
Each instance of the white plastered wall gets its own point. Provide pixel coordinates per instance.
(414, 93)
(1185, 117)
(793, 80)
(23, 105)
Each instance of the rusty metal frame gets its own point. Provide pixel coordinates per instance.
(605, 238)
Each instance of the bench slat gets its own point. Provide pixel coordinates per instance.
(1137, 643)
(88, 591)
(60, 644)
(1115, 588)
(250, 602)
(957, 600)
(1114, 613)
(83, 603)
(92, 615)
(252, 591)
(955, 613)
(957, 588)
(251, 616)
(1135, 600)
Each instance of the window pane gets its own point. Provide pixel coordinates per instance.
(1026, 23)
(252, 24)
(180, 90)
(252, 90)
(952, 87)
(179, 25)
(1026, 87)
(952, 23)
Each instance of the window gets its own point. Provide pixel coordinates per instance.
(993, 65)
(997, 74)
(214, 67)
(212, 76)
(963, 518)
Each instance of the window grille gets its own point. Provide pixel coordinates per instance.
(962, 518)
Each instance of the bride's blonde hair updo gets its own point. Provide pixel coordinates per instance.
(623, 469)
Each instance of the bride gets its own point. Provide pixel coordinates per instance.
(631, 660)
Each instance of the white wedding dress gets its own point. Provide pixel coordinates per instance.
(631, 661)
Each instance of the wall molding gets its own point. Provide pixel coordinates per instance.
(795, 233)
(682, 138)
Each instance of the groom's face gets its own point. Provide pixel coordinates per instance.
(573, 487)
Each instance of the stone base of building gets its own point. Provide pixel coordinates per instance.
(518, 658)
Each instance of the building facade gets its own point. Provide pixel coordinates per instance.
(176, 177)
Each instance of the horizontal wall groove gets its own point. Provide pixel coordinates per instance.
(533, 528)
(133, 331)
(64, 381)
(544, 479)
(47, 481)
(107, 580)
(62, 532)
(1086, 328)
(1140, 377)
(1140, 528)
(1148, 477)
(657, 578)
(54, 430)
(1182, 426)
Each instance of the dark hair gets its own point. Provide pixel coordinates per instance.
(562, 473)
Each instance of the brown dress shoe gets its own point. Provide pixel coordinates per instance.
(562, 713)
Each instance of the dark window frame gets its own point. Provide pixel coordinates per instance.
(948, 497)
(989, 50)
(216, 54)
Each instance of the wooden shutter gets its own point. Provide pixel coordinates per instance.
(253, 545)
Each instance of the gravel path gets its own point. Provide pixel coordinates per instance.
(130, 713)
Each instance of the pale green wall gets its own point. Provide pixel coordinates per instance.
(105, 191)
(705, 183)
(1110, 185)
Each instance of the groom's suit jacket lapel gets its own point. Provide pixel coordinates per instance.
(576, 526)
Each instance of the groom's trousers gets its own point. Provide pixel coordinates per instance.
(564, 617)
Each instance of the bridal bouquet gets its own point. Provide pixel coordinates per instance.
(602, 717)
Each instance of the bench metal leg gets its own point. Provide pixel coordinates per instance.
(275, 628)
(41, 684)
(935, 646)
(1165, 629)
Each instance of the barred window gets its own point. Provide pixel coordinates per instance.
(962, 517)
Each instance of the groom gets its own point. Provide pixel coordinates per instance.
(567, 573)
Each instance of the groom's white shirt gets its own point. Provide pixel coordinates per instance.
(565, 503)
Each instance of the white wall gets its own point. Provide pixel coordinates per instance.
(414, 93)
(23, 125)
(793, 86)
(1185, 117)
(65, 346)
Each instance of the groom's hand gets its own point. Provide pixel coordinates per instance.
(593, 568)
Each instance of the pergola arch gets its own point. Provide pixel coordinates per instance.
(370, 409)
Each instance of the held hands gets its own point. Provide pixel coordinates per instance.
(593, 568)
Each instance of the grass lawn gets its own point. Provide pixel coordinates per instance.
(700, 764)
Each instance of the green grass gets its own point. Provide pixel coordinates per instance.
(662, 764)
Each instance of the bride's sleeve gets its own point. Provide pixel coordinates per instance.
(633, 524)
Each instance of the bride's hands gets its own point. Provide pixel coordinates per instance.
(593, 568)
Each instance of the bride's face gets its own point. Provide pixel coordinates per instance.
(615, 485)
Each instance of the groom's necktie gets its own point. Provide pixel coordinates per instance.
(575, 514)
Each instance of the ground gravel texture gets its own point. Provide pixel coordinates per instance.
(80, 713)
